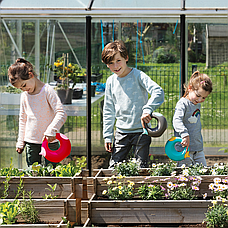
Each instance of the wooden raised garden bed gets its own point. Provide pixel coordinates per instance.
(39, 185)
(96, 184)
(143, 211)
(100, 211)
(69, 192)
(51, 211)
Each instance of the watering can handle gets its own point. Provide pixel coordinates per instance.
(159, 129)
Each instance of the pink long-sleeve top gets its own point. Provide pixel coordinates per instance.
(40, 114)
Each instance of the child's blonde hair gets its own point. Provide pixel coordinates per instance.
(111, 49)
(20, 70)
(198, 80)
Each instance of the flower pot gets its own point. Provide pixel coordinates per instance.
(77, 93)
(65, 95)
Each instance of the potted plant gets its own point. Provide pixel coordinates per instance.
(66, 74)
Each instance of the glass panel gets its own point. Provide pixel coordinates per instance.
(154, 47)
(207, 52)
(44, 4)
(135, 4)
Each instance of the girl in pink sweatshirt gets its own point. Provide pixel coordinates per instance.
(41, 111)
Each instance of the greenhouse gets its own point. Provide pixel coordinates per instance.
(168, 40)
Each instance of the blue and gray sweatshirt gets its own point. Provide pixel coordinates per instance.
(186, 121)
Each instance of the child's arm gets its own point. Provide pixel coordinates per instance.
(108, 117)
(156, 92)
(178, 124)
(60, 114)
(22, 125)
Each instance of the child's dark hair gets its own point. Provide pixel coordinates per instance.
(20, 70)
(198, 80)
(111, 49)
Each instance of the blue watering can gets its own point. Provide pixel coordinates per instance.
(174, 149)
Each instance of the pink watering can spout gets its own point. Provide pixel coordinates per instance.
(56, 155)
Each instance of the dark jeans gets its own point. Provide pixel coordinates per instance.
(33, 150)
(123, 143)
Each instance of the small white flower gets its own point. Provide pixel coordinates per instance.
(169, 184)
(104, 192)
(217, 180)
(218, 198)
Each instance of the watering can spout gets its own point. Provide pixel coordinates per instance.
(43, 152)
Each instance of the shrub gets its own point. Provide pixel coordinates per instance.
(217, 215)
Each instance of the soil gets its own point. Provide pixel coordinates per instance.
(97, 161)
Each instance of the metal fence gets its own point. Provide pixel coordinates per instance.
(213, 115)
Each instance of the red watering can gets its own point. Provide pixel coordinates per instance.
(56, 155)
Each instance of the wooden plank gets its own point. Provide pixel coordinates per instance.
(148, 215)
(39, 186)
(142, 212)
(35, 225)
(52, 210)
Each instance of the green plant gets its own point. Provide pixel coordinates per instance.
(163, 169)
(127, 168)
(119, 188)
(194, 170)
(66, 72)
(37, 169)
(71, 169)
(8, 212)
(5, 193)
(183, 188)
(52, 190)
(10, 89)
(217, 215)
(151, 192)
(27, 209)
(219, 188)
(11, 171)
(218, 169)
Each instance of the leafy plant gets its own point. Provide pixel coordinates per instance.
(27, 209)
(219, 188)
(37, 169)
(218, 169)
(119, 188)
(66, 72)
(217, 215)
(183, 188)
(70, 169)
(10, 89)
(52, 190)
(127, 168)
(8, 212)
(5, 193)
(151, 192)
(194, 170)
(11, 171)
(163, 169)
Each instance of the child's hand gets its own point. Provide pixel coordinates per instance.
(185, 142)
(145, 118)
(108, 147)
(19, 150)
(49, 138)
